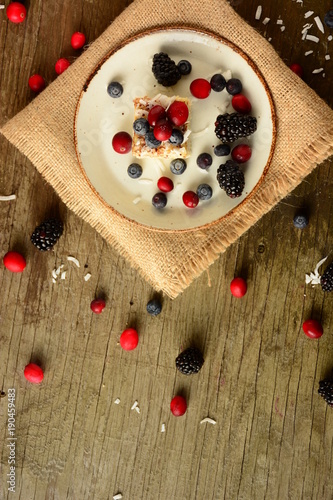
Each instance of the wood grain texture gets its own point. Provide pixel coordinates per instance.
(273, 434)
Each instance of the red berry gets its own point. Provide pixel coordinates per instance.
(165, 184)
(16, 12)
(156, 113)
(33, 373)
(61, 65)
(97, 306)
(238, 287)
(78, 40)
(241, 104)
(297, 68)
(178, 113)
(14, 262)
(178, 406)
(190, 199)
(200, 88)
(312, 329)
(241, 153)
(36, 83)
(163, 129)
(122, 142)
(129, 339)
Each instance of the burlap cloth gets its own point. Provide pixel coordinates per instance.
(43, 132)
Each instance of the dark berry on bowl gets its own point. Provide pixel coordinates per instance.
(241, 153)
(204, 161)
(115, 89)
(159, 200)
(46, 235)
(231, 179)
(200, 88)
(222, 150)
(218, 82)
(326, 280)
(141, 126)
(165, 70)
(204, 191)
(190, 199)
(184, 67)
(165, 184)
(151, 141)
(134, 170)
(189, 361)
(328, 19)
(300, 220)
(177, 137)
(122, 142)
(229, 127)
(178, 166)
(234, 86)
(154, 307)
(241, 104)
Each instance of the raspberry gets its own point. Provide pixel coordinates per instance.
(33, 373)
(241, 153)
(156, 113)
(129, 339)
(36, 83)
(297, 68)
(97, 306)
(312, 329)
(200, 88)
(61, 65)
(14, 262)
(165, 184)
(122, 142)
(178, 113)
(178, 406)
(190, 199)
(16, 12)
(162, 130)
(78, 40)
(241, 104)
(238, 287)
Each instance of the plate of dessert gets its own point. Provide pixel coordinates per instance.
(175, 129)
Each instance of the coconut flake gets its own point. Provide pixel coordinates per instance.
(330, 38)
(57, 271)
(136, 200)
(137, 409)
(318, 70)
(10, 196)
(308, 52)
(312, 38)
(54, 274)
(73, 259)
(319, 23)
(282, 28)
(279, 21)
(266, 20)
(2, 7)
(208, 420)
(314, 278)
(54, 280)
(327, 57)
(63, 275)
(258, 13)
(308, 14)
(163, 428)
(145, 181)
(306, 27)
(117, 401)
(87, 277)
(118, 496)
(134, 405)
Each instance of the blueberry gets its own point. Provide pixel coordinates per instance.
(218, 82)
(328, 19)
(204, 160)
(178, 166)
(234, 86)
(154, 307)
(177, 137)
(134, 170)
(222, 150)
(159, 200)
(184, 67)
(151, 141)
(141, 126)
(204, 191)
(115, 89)
(301, 220)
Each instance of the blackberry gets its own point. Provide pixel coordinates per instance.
(231, 178)
(141, 126)
(326, 390)
(154, 307)
(326, 279)
(218, 82)
(184, 67)
(204, 191)
(177, 137)
(159, 200)
(189, 361)
(234, 86)
(115, 89)
(47, 234)
(134, 170)
(222, 150)
(178, 166)
(165, 70)
(229, 127)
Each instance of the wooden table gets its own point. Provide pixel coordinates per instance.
(273, 434)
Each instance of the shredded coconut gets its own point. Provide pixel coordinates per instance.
(208, 420)
(54, 280)
(163, 428)
(118, 496)
(316, 71)
(54, 274)
(117, 401)
(266, 20)
(87, 277)
(145, 181)
(314, 278)
(308, 14)
(283, 28)
(306, 27)
(136, 200)
(308, 52)
(319, 23)
(279, 21)
(327, 57)
(330, 38)
(63, 275)
(134, 405)
(137, 409)
(57, 271)
(73, 259)
(312, 38)
(2, 7)
(258, 13)
(10, 196)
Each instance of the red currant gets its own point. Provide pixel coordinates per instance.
(14, 262)
(122, 142)
(238, 287)
(162, 130)
(312, 329)
(241, 104)
(297, 68)
(16, 12)
(61, 65)
(33, 373)
(129, 339)
(200, 88)
(97, 306)
(241, 153)
(190, 199)
(165, 184)
(78, 40)
(36, 83)
(178, 406)
(178, 113)
(156, 113)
